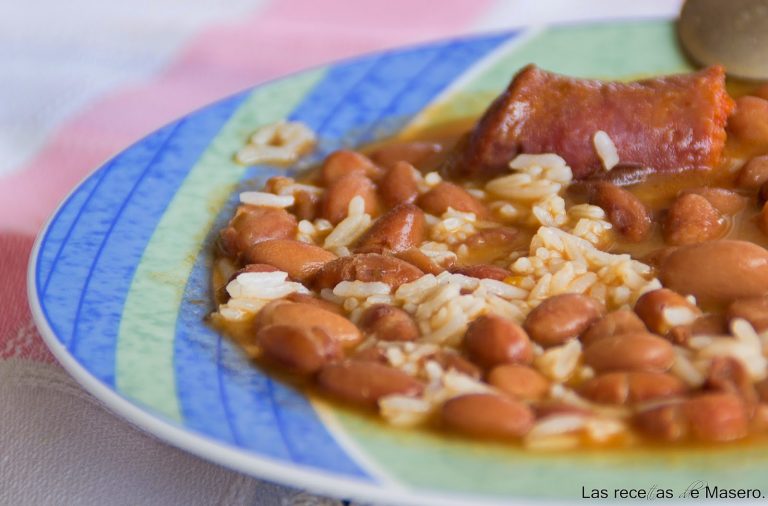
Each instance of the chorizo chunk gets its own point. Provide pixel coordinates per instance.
(667, 123)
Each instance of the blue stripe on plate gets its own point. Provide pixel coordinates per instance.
(62, 225)
(232, 399)
(93, 273)
(70, 268)
(220, 393)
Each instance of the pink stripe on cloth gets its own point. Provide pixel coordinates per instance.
(284, 37)
(18, 336)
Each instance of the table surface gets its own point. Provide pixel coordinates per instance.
(82, 80)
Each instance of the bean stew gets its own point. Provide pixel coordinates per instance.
(584, 265)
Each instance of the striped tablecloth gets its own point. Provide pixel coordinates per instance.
(79, 81)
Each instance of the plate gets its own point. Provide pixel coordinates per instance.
(119, 283)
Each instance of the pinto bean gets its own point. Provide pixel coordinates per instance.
(364, 383)
(717, 272)
(335, 326)
(305, 298)
(444, 195)
(344, 162)
(663, 309)
(483, 271)
(709, 324)
(335, 202)
(625, 211)
(749, 122)
(496, 243)
(388, 323)
(301, 349)
(762, 219)
(252, 224)
(399, 229)
(562, 317)
(552, 408)
(519, 381)
(492, 340)
(617, 322)
(631, 387)
(717, 417)
(415, 257)
(666, 422)
(370, 354)
(692, 219)
(366, 267)
(449, 360)
(398, 185)
(762, 195)
(657, 256)
(305, 205)
(679, 335)
(637, 351)
(726, 374)
(753, 309)
(495, 237)
(759, 420)
(727, 202)
(761, 91)
(487, 415)
(254, 268)
(277, 183)
(414, 152)
(300, 260)
(762, 390)
(754, 173)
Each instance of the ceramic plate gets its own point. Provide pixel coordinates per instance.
(119, 282)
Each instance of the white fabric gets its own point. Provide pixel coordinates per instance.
(65, 448)
(513, 13)
(86, 48)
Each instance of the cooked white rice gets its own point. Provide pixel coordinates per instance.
(561, 262)
(250, 291)
(531, 195)
(693, 373)
(559, 362)
(558, 432)
(264, 199)
(679, 315)
(439, 253)
(453, 227)
(443, 312)
(360, 289)
(349, 230)
(606, 150)
(281, 143)
(744, 345)
(313, 232)
(432, 179)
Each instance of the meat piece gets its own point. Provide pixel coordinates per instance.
(667, 123)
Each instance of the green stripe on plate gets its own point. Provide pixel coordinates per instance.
(144, 361)
(628, 50)
(488, 468)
